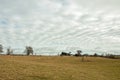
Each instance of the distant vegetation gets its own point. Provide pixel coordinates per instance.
(79, 53)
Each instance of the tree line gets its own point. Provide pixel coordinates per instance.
(28, 50)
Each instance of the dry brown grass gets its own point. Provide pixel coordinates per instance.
(58, 68)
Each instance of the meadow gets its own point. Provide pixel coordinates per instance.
(58, 68)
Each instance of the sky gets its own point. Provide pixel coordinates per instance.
(58, 25)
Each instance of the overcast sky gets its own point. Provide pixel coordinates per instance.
(59, 24)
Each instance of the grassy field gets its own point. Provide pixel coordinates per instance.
(58, 68)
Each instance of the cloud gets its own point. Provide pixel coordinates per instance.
(61, 23)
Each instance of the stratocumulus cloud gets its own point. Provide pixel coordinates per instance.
(90, 25)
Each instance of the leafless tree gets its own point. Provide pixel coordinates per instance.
(78, 53)
(29, 50)
(1, 48)
(9, 51)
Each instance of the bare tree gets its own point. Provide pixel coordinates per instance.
(9, 51)
(78, 53)
(29, 50)
(1, 48)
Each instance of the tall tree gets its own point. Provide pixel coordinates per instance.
(8, 51)
(29, 50)
(95, 55)
(1, 48)
(79, 52)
